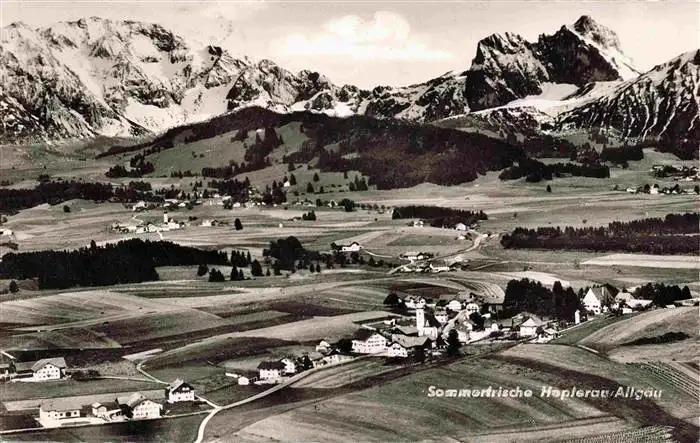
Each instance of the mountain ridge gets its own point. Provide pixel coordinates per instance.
(95, 77)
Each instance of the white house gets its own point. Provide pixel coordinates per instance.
(529, 327)
(271, 370)
(49, 369)
(324, 346)
(289, 366)
(367, 341)
(439, 267)
(179, 391)
(52, 412)
(140, 407)
(352, 247)
(396, 350)
(596, 299)
(418, 224)
(460, 227)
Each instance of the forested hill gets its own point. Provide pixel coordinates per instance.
(392, 153)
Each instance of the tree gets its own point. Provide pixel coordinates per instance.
(267, 273)
(309, 188)
(13, 287)
(256, 269)
(392, 299)
(318, 269)
(453, 343)
(66, 209)
(316, 177)
(345, 174)
(549, 188)
(276, 269)
(240, 274)
(237, 224)
(419, 354)
(478, 321)
(234, 274)
(290, 167)
(248, 258)
(202, 270)
(312, 268)
(345, 345)
(216, 276)
(292, 180)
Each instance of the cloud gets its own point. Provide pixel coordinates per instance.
(387, 36)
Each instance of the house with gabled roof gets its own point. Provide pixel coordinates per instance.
(597, 299)
(271, 370)
(178, 391)
(138, 407)
(49, 369)
(367, 341)
(53, 411)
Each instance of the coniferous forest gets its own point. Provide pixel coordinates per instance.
(128, 261)
(674, 234)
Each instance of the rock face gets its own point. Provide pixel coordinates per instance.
(95, 76)
(663, 101)
(507, 67)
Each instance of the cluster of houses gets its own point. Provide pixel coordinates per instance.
(168, 224)
(70, 411)
(600, 300)
(45, 369)
(656, 190)
(458, 227)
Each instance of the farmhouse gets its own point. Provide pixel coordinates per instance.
(439, 267)
(414, 256)
(630, 301)
(49, 369)
(396, 350)
(138, 407)
(107, 411)
(324, 346)
(271, 370)
(289, 366)
(597, 299)
(460, 227)
(352, 247)
(529, 327)
(179, 391)
(367, 341)
(418, 224)
(52, 412)
(413, 302)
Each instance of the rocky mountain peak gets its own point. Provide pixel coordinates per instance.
(600, 34)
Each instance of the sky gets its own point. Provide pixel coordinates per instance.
(370, 43)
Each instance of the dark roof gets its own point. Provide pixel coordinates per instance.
(271, 365)
(24, 366)
(363, 334)
(133, 400)
(57, 361)
(177, 384)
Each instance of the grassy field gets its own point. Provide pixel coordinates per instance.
(674, 400)
(649, 325)
(170, 430)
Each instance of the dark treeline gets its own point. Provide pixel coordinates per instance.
(238, 190)
(533, 297)
(128, 261)
(662, 295)
(288, 251)
(622, 154)
(240, 259)
(438, 216)
(535, 171)
(54, 192)
(653, 235)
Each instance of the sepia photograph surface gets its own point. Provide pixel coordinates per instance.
(349, 221)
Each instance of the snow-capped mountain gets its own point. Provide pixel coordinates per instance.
(95, 76)
(663, 101)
